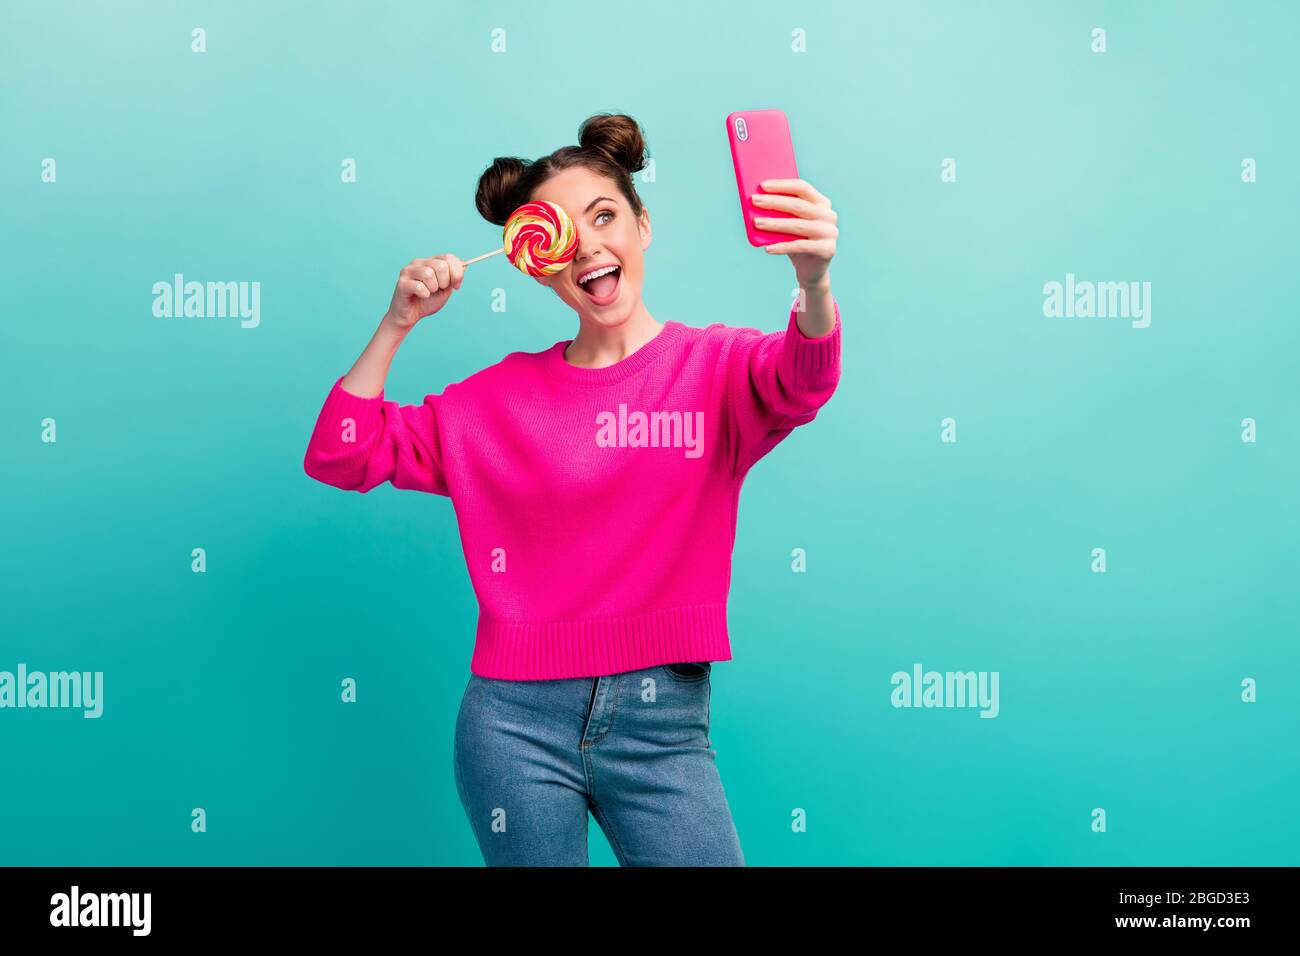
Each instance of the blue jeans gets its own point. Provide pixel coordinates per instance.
(533, 757)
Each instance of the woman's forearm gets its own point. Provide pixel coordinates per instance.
(818, 316)
(367, 376)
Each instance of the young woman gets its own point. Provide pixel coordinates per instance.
(595, 485)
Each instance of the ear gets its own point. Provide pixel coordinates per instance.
(644, 225)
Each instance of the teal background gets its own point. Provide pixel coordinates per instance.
(1118, 690)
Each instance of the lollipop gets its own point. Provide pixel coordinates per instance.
(540, 239)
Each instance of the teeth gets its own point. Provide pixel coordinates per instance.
(599, 272)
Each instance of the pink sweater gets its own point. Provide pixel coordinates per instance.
(597, 507)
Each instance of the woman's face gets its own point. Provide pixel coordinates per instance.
(608, 235)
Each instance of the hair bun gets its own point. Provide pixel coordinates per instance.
(498, 189)
(610, 145)
(617, 136)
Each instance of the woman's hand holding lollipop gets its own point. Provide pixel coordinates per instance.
(539, 238)
(423, 287)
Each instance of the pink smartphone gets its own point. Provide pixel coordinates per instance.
(761, 149)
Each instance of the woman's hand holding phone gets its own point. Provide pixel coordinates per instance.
(423, 287)
(812, 218)
(802, 224)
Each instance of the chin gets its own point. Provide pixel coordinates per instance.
(608, 319)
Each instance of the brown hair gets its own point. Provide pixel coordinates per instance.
(610, 144)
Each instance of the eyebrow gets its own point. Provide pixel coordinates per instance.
(593, 202)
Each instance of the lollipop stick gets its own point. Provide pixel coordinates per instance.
(484, 256)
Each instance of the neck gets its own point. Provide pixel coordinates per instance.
(600, 344)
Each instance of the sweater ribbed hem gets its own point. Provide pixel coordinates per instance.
(513, 650)
(341, 404)
(817, 358)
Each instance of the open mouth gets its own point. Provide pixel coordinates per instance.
(604, 288)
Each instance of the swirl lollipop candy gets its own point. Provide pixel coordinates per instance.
(539, 238)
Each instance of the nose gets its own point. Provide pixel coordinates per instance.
(587, 253)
